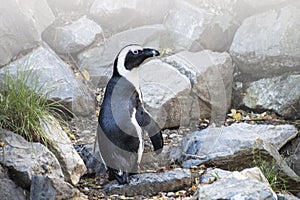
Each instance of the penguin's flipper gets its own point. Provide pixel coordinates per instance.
(148, 124)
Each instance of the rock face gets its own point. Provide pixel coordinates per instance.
(8, 189)
(211, 76)
(151, 183)
(25, 159)
(72, 37)
(22, 23)
(281, 94)
(71, 163)
(259, 53)
(239, 185)
(57, 79)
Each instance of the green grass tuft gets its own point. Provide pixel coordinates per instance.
(22, 109)
(271, 172)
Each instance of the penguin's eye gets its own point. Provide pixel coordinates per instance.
(135, 52)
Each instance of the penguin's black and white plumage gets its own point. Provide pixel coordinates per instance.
(123, 119)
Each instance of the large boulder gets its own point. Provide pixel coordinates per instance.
(211, 76)
(218, 144)
(56, 78)
(259, 53)
(237, 146)
(119, 15)
(199, 27)
(71, 163)
(26, 159)
(238, 185)
(280, 94)
(72, 37)
(22, 23)
(167, 94)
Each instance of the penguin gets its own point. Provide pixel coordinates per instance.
(123, 119)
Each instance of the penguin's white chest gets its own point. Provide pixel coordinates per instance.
(139, 134)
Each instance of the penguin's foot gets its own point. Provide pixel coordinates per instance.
(120, 176)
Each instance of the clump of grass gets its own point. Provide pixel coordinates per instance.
(22, 109)
(271, 172)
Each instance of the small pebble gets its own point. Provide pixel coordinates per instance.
(170, 194)
(173, 135)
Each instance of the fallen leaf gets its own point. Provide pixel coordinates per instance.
(86, 74)
(237, 116)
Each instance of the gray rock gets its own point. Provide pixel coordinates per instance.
(116, 16)
(282, 196)
(187, 20)
(72, 37)
(249, 183)
(25, 159)
(275, 94)
(221, 143)
(57, 80)
(202, 27)
(291, 154)
(22, 23)
(43, 187)
(211, 76)
(152, 183)
(71, 163)
(235, 147)
(239, 10)
(166, 94)
(259, 53)
(213, 175)
(8, 189)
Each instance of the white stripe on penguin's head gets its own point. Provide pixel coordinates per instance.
(122, 56)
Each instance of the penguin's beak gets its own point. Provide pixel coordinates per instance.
(151, 52)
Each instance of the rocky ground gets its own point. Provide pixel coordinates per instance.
(83, 132)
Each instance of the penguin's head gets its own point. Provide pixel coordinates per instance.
(130, 57)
